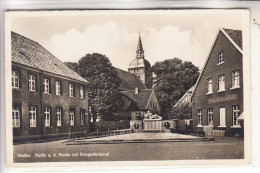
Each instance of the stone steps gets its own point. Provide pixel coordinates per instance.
(85, 142)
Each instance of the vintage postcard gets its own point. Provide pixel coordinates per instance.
(143, 87)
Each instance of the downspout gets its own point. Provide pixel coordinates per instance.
(41, 103)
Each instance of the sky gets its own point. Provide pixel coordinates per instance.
(185, 34)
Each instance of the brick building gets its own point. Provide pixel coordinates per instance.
(218, 94)
(49, 99)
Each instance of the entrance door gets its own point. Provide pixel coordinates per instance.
(222, 117)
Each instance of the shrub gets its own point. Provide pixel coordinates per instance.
(111, 125)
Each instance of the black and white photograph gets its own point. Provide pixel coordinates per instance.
(90, 86)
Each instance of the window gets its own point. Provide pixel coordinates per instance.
(210, 87)
(236, 114)
(46, 86)
(220, 57)
(82, 117)
(210, 116)
(32, 83)
(222, 117)
(199, 117)
(71, 90)
(58, 88)
(221, 83)
(72, 117)
(15, 79)
(58, 116)
(235, 79)
(155, 105)
(32, 116)
(81, 92)
(47, 117)
(16, 116)
(151, 104)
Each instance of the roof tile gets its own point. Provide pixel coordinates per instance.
(141, 99)
(31, 53)
(129, 81)
(235, 35)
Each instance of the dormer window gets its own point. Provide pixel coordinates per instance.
(221, 57)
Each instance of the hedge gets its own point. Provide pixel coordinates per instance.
(111, 125)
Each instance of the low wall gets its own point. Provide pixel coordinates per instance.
(137, 125)
(168, 125)
(208, 131)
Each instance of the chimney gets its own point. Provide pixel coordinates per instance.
(136, 90)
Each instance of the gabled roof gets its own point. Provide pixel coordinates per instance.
(185, 95)
(129, 81)
(141, 99)
(234, 36)
(32, 54)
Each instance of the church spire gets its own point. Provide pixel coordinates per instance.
(140, 50)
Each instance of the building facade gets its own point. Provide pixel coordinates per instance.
(49, 99)
(140, 66)
(218, 95)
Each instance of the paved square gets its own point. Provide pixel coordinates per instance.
(57, 151)
(147, 136)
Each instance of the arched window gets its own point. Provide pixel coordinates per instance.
(221, 57)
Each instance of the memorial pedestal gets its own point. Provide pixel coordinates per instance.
(152, 125)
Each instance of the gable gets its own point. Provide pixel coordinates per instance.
(232, 55)
(186, 97)
(153, 100)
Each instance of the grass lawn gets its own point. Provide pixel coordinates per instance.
(55, 151)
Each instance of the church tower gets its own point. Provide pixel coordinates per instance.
(140, 66)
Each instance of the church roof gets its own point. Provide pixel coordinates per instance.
(141, 99)
(139, 62)
(140, 46)
(129, 81)
(30, 53)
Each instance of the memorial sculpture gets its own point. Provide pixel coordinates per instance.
(149, 115)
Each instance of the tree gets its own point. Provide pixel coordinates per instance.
(171, 79)
(103, 83)
(73, 66)
(181, 112)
